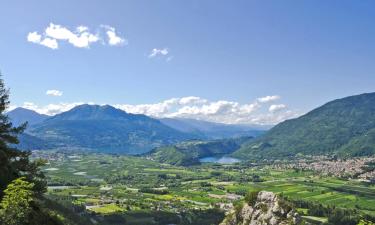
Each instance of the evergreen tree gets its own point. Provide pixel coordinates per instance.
(13, 162)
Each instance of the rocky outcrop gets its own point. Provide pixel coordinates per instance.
(269, 209)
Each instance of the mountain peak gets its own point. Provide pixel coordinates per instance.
(106, 128)
(21, 115)
(93, 112)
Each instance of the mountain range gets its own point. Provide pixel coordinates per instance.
(344, 127)
(210, 130)
(107, 129)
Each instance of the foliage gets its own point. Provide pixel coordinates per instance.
(365, 222)
(251, 197)
(15, 207)
(14, 163)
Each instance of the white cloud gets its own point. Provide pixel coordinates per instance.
(191, 100)
(34, 37)
(50, 43)
(79, 37)
(113, 38)
(268, 98)
(51, 109)
(275, 108)
(221, 111)
(156, 52)
(54, 93)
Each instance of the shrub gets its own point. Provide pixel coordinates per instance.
(251, 197)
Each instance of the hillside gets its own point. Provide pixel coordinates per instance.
(344, 126)
(210, 130)
(20, 115)
(107, 129)
(189, 153)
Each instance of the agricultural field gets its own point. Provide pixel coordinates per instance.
(134, 190)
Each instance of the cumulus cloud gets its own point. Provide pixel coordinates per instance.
(221, 111)
(113, 38)
(80, 37)
(193, 107)
(54, 93)
(275, 108)
(269, 98)
(162, 52)
(34, 37)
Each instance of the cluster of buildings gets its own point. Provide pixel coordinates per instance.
(355, 168)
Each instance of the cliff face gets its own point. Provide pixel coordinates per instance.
(268, 209)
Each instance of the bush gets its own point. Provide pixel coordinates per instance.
(251, 197)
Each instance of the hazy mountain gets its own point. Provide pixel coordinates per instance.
(344, 126)
(212, 130)
(20, 115)
(105, 128)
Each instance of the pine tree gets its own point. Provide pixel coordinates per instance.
(13, 162)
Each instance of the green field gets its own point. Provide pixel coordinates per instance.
(104, 186)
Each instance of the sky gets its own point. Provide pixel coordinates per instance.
(254, 62)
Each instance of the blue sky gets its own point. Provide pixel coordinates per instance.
(305, 52)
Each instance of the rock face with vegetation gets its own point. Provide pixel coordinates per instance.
(344, 127)
(263, 208)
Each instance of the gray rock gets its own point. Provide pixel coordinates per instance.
(266, 211)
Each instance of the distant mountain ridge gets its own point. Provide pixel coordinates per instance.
(20, 115)
(211, 130)
(103, 128)
(344, 127)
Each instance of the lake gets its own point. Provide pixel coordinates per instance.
(219, 159)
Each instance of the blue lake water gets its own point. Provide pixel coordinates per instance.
(219, 159)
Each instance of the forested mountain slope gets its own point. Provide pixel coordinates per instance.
(344, 126)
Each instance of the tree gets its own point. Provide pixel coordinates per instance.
(15, 207)
(14, 163)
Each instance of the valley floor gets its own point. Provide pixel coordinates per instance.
(109, 189)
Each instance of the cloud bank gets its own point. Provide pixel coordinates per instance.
(80, 37)
(258, 112)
